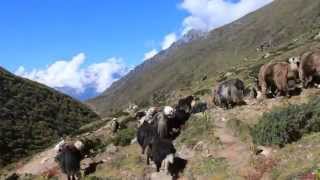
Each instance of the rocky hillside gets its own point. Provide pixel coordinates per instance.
(216, 144)
(34, 116)
(186, 63)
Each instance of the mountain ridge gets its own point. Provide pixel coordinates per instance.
(178, 68)
(34, 116)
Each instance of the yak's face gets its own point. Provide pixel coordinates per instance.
(58, 146)
(294, 63)
(168, 111)
(151, 111)
(79, 145)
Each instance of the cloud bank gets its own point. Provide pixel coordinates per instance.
(71, 74)
(206, 15)
(150, 54)
(168, 41)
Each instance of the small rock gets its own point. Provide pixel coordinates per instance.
(266, 55)
(317, 37)
(111, 149)
(228, 74)
(265, 151)
(90, 166)
(13, 176)
(198, 146)
(134, 141)
(86, 163)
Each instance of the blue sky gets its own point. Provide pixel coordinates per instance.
(35, 33)
(82, 44)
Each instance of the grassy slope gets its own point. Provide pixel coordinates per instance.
(34, 116)
(182, 67)
(290, 25)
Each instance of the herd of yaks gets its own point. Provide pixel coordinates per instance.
(158, 127)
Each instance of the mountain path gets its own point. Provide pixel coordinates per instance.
(237, 153)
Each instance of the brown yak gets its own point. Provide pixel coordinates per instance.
(309, 70)
(276, 76)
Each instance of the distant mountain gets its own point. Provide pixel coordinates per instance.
(192, 35)
(34, 116)
(89, 93)
(196, 56)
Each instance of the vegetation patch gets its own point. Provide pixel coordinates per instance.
(212, 167)
(120, 113)
(203, 92)
(92, 126)
(286, 125)
(124, 137)
(299, 159)
(127, 160)
(197, 128)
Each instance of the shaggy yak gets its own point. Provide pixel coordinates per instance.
(145, 134)
(229, 93)
(161, 150)
(279, 77)
(309, 70)
(69, 157)
(161, 121)
(147, 116)
(114, 125)
(185, 104)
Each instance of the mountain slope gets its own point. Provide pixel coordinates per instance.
(181, 66)
(34, 116)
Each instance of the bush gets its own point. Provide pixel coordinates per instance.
(120, 113)
(203, 92)
(124, 137)
(197, 128)
(286, 125)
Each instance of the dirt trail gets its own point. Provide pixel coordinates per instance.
(39, 164)
(236, 152)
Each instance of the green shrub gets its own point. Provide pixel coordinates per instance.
(202, 92)
(124, 137)
(197, 128)
(286, 125)
(120, 113)
(92, 126)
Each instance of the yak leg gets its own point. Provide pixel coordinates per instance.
(264, 89)
(307, 81)
(166, 164)
(148, 160)
(158, 166)
(142, 149)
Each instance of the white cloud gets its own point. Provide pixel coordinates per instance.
(70, 74)
(209, 14)
(150, 54)
(168, 41)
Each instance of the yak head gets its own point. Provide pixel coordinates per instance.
(168, 111)
(294, 62)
